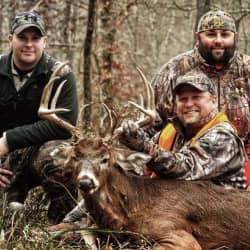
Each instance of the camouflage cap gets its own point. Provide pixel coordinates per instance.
(196, 79)
(26, 20)
(216, 19)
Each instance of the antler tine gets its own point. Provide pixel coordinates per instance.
(46, 113)
(44, 103)
(113, 121)
(109, 114)
(58, 69)
(149, 111)
(79, 124)
(150, 95)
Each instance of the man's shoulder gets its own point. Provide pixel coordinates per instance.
(53, 64)
(4, 58)
(183, 60)
(5, 64)
(65, 70)
(242, 58)
(222, 129)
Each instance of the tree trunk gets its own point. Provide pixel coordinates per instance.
(202, 7)
(108, 40)
(87, 61)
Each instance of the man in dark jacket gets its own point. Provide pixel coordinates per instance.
(24, 72)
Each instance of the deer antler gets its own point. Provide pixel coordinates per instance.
(149, 110)
(46, 113)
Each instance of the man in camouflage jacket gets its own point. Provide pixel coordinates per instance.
(199, 143)
(214, 54)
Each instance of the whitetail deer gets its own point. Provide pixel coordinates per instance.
(174, 214)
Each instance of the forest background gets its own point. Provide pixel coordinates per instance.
(105, 40)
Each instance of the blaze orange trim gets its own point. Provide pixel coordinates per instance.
(247, 172)
(167, 137)
(220, 117)
(168, 134)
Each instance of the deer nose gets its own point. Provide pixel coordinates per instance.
(86, 184)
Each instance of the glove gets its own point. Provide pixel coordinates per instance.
(162, 162)
(133, 137)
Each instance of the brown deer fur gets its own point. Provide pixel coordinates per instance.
(174, 214)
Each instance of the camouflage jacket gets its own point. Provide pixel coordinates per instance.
(216, 155)
(232, 84)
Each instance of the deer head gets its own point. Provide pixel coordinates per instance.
(96, 154)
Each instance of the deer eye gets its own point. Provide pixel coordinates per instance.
(104, 160)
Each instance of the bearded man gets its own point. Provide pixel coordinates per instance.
(216, 56)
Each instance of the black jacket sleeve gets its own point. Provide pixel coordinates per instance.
(42, 131)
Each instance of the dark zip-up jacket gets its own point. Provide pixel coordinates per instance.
(18, 109)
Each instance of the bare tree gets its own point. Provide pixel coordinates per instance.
(202, 7)
(108, 39)
(87, 59)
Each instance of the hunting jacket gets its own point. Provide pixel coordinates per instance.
(232, 84)
(18, 108)
(214, 153)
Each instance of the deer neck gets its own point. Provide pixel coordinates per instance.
(117, 199)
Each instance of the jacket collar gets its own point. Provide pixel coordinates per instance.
(181, 130)
(41, 68)
(5, 64)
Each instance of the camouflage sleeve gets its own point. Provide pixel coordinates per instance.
(162, 83)
(247, 139)
(216, 153)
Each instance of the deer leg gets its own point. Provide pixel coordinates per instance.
(178, 240)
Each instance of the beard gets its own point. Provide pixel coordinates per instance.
(190, 119)
(213, 58)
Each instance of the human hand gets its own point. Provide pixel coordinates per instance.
(3, 146)
(162, 161)
(132, 136)
(5, 176)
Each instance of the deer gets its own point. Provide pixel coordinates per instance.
(172, 214)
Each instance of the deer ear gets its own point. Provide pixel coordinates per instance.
(134, 162)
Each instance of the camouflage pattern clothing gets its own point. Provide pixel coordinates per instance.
(216, 155)
(232, 85)
(38, 165)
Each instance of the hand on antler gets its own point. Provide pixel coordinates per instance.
(133, 136)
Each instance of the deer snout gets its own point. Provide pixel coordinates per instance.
(86, 185)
